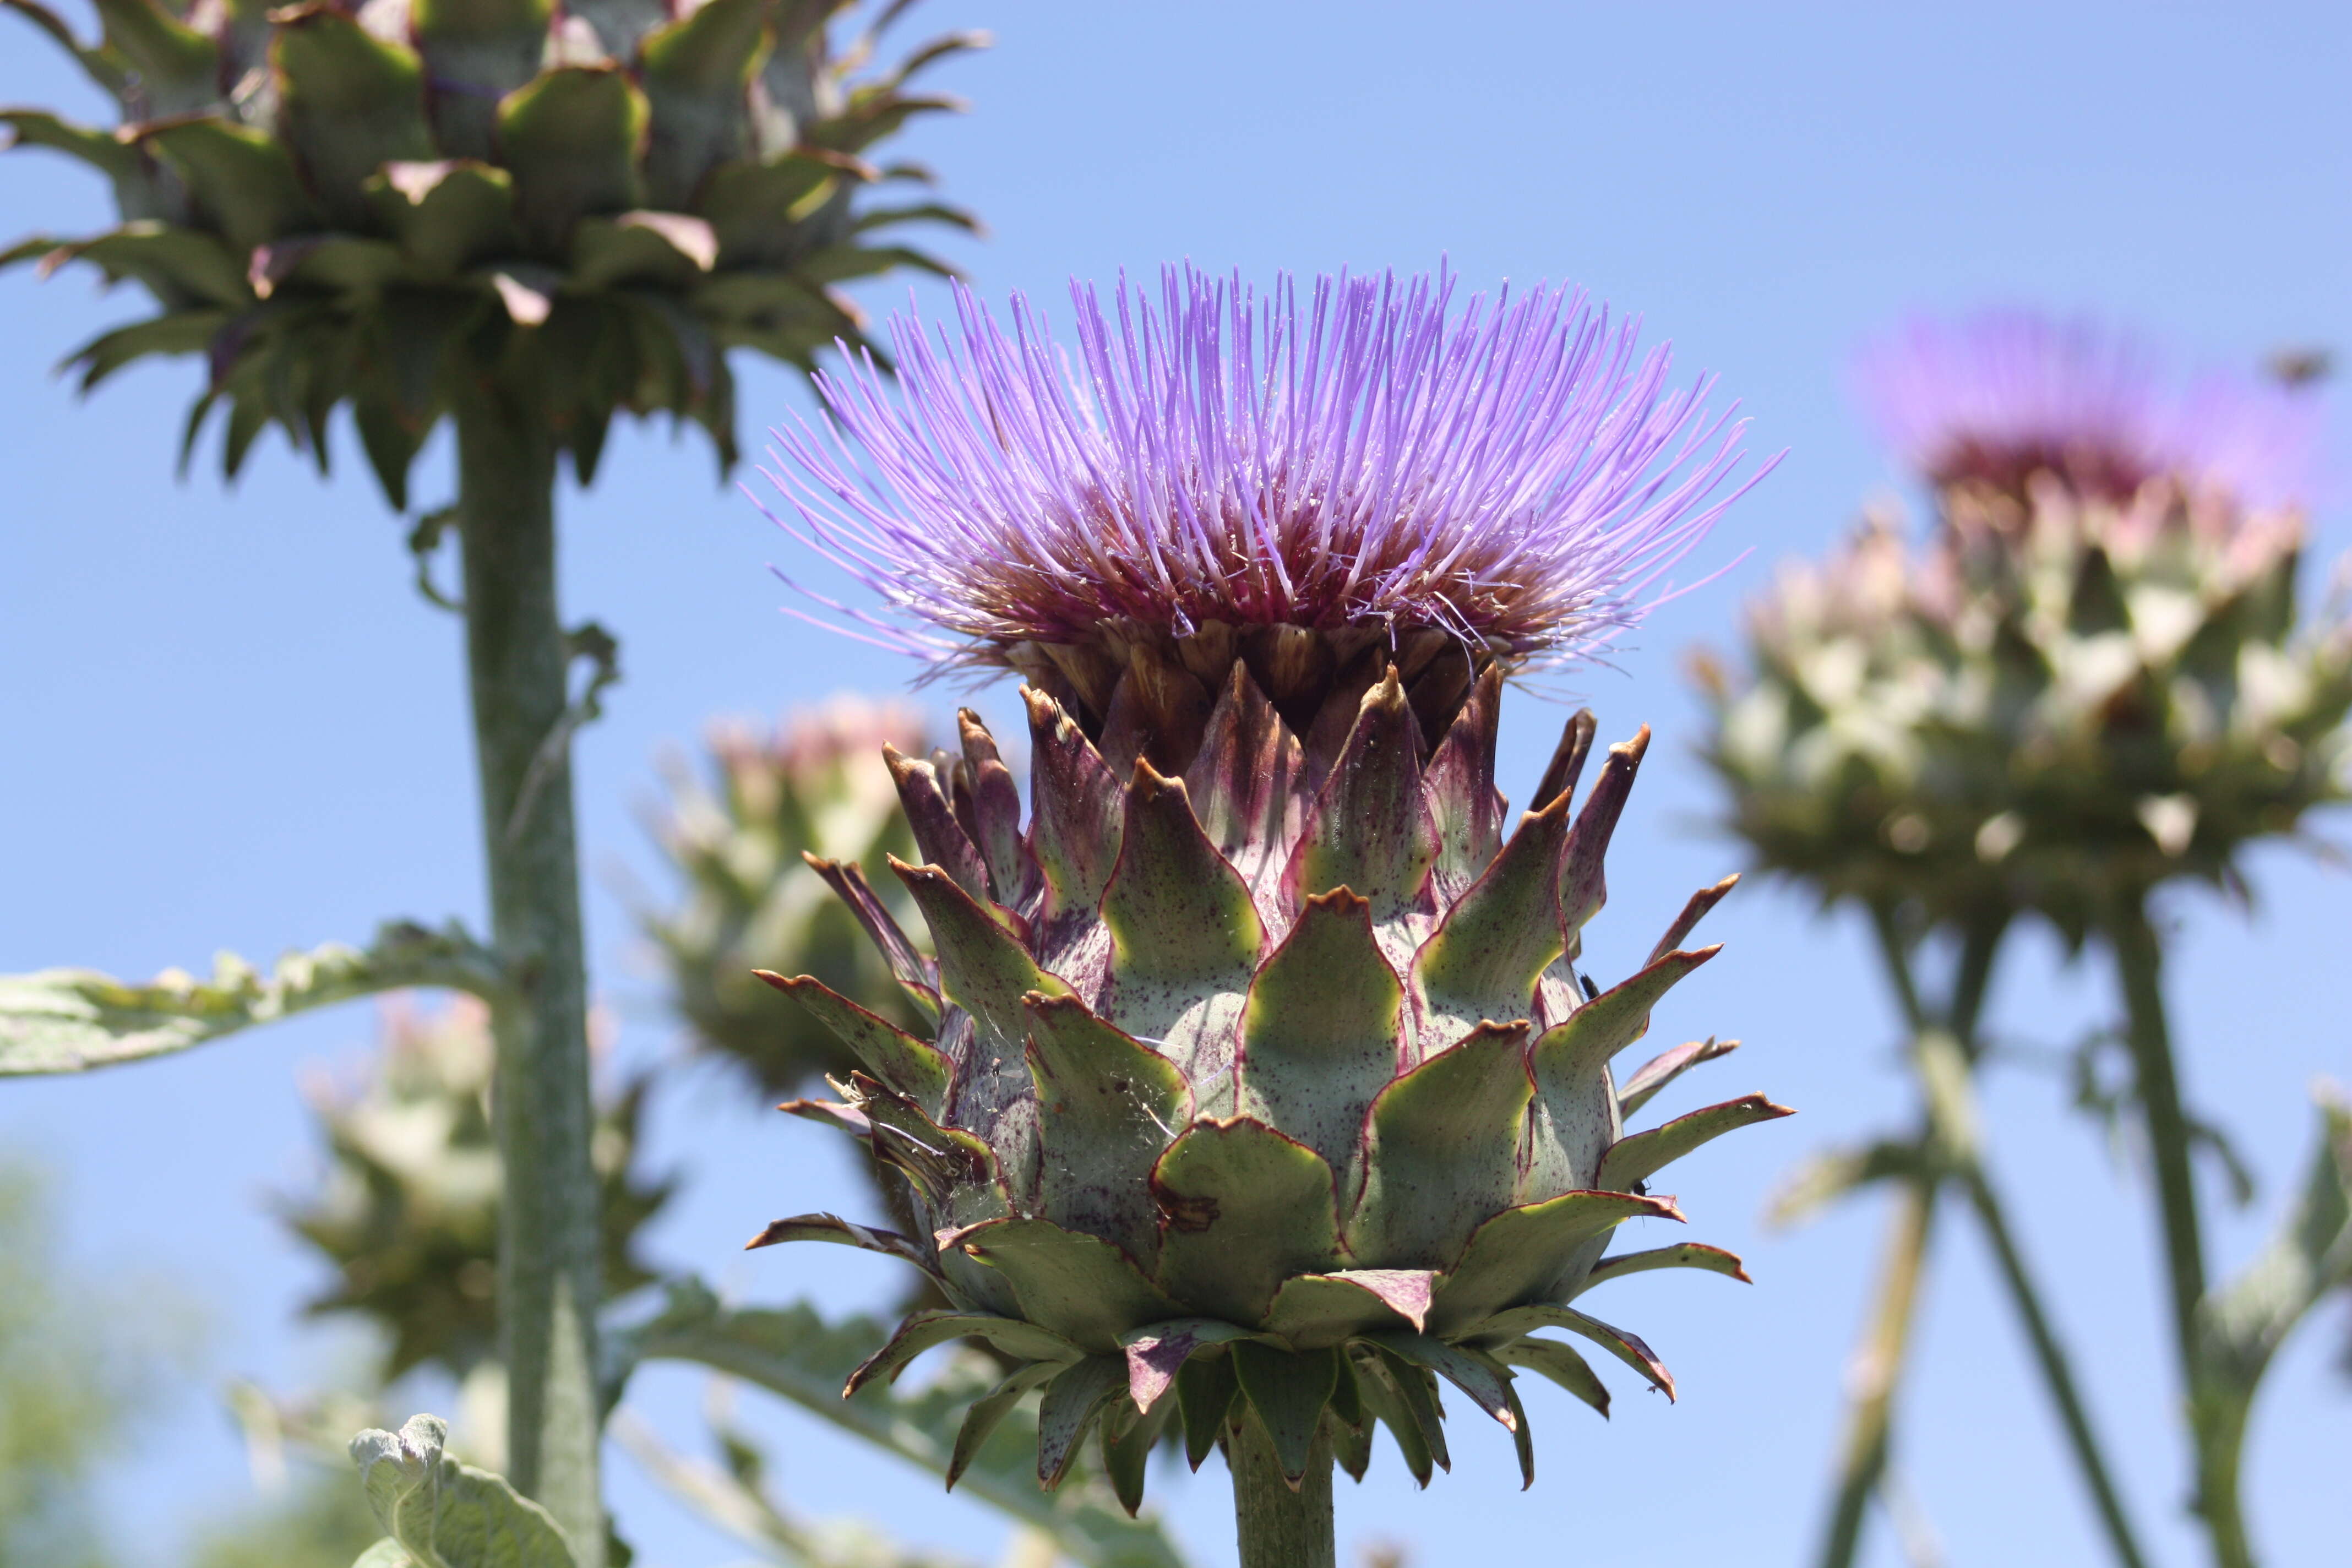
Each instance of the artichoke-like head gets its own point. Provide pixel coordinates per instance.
(2074, 690)
(390, 204)
(408, 1216)
(755, 839)
(1261, 1085)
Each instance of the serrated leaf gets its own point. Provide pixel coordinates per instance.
(1073, 1400)
(1370, 829)
(181, 332)
(926, 1330)
(1382, 1399)
(448, 1514)
(665, 248)
(1688, 1255)
(71, 1020)
(1313, 1310)
(1474, 1373)
(1664, 1067)
(1205, 1391)
(178, 265)
(1482, 961)
(914, 1068)
(176, 66)
(101, 150)
(447, 215)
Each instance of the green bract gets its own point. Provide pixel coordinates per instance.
(2062, 701)
(408, 1213)
(359, 205)
(782, 817)
(1262, 1079)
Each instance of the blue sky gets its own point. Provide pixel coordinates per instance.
(231, 722)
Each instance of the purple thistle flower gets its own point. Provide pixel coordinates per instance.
(1995, 397)
(1512, 475)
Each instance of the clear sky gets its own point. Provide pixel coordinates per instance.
(226, 719)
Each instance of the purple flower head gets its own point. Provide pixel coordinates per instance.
(1510, 473)
(1995, 397)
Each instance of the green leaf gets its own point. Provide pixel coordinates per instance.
(1583, 884)
(349, 103)
(448, 1514)
(2243, 1323)
(1313, 1310)
(1572, 1122)
(1523, 1253)
(927, 1330)
(1128, 1437)
(843, 1233)
(1664, 1067)
(1444, 1150)
(1504, 1327)
(1483, 962)
(1474, 1373)
(803, 1358)
(178, 266)
(571, 138)
(71, 1020)
(987, 1412)
(1072, 1402)
(1205, 1391)
(104, 69)
(181, 332)
(1158, 1352)
(1106, 1108)
(447, 215)
(666, 248)
(1560, 1363)
(386, 1553)
(1081, 1286)
(1184, 933)
(1643, 1155)
(1288, 1390)
(1382, 1398)
(177, 68)
(697, 72)
(476, 53)
(101, 150)
(914, 1068)
(1319, 1030)
(1370, 828)
(848, 263)
(757, 209)
(244, 179)
(1247, 1208)
(343, 264)
(1687, 1255)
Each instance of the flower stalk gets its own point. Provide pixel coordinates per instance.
(1278, 1525)
(518, 660)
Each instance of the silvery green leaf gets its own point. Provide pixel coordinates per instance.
(443, 1514)
(71, 1020)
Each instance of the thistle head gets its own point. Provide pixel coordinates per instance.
(1364, 460)
(1987, 401)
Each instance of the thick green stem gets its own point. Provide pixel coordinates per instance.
(2139, 964)
(2057, 1373)
(1877, 1371)
(1279, 1528)
(548, 1239)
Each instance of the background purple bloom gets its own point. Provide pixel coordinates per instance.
(1513, 473)
(1995, 396)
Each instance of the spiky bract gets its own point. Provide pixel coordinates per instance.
(780, 816)
(1367, 460)
(2050, 706)
(1263, 1087)
(1991, 399)
(386, 205)
(408, 1214)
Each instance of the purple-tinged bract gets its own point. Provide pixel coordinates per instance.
(1993, 399)
(1513, 473)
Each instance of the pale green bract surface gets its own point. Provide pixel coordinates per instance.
(443, 1514)
(71, 1020)
(802, 1356)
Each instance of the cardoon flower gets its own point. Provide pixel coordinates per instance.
(1263, 1092)
(1995, 399)
(2090, 679)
